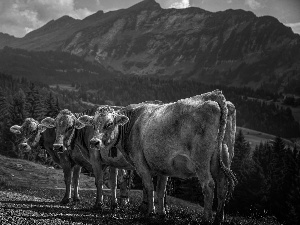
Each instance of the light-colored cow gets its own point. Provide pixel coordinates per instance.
(70, 137)
(182, 139)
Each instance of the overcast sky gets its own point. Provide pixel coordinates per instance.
(18, 17)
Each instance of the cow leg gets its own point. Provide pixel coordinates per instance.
(76, 175)
(113, 184)
(67, 178)
(144, 205)
(222, 185)
(67, 170)
(208, 185)
(221, 193)
(124, 183)
(144, 173)
(97, 169)
(161, 190)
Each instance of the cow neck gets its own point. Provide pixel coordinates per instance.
(71, 138)
(122, 136)
(37, 138)
(118, 137)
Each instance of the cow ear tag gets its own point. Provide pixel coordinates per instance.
(121, 120)
(79, 125)
(42, 128)
(15, 129)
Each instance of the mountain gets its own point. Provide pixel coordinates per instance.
(50, 67)
(232, 47)
(6, 40)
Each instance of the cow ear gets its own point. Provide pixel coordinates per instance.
(79, 125)
(42, 128)
(48, 122)
(121, 120)
(16, 129)
(86, 120)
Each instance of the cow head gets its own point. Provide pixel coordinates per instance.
(65, 124)
(105, 122)
(30, 132)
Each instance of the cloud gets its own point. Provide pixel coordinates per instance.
(19, 17)
(253, 4)
(295, 27)
(181, 4)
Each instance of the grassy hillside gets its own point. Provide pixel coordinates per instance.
(18, 172)
(30, 194)
(256, 137)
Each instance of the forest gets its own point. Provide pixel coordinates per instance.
(255, 109)
(269, 177)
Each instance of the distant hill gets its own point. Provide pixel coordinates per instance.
(50, 67)
(232, 47)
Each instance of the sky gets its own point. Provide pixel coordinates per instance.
(18, 17)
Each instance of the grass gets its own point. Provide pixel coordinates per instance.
(30, 194)
(29, 174)
(256, 137)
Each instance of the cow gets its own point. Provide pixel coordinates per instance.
(70, 137)
(35, 134)
(184, 139)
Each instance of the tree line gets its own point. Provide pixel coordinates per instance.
(255, 109)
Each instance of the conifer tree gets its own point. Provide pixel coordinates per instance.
(33, 102)
(51, 106)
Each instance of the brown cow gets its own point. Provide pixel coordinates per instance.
(34, 134)
(70, 136)
(181, 139)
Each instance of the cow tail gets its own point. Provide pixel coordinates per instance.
(231, 178)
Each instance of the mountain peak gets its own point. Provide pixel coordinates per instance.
(146, 4)
(95, 16)
(63, 20)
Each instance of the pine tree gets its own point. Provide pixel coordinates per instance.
(33, 102)
(242, 151)
(15, 115)
(51, 106)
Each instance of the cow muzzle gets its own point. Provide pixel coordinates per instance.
(96, 144)
(58, 147)
(24, 147)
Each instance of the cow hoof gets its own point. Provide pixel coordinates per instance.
(161, 216)
(124, 201)
(217, 222)
(113, 205)
(65, 201)
(144, 207)
(76, 200)
(98, 206)
(151, 215)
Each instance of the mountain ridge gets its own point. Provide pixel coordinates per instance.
(232, 47)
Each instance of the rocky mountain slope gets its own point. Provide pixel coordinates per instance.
(232, 47)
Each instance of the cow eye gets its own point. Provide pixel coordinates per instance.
(108, 125)
(33, 132)
(69, 128)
